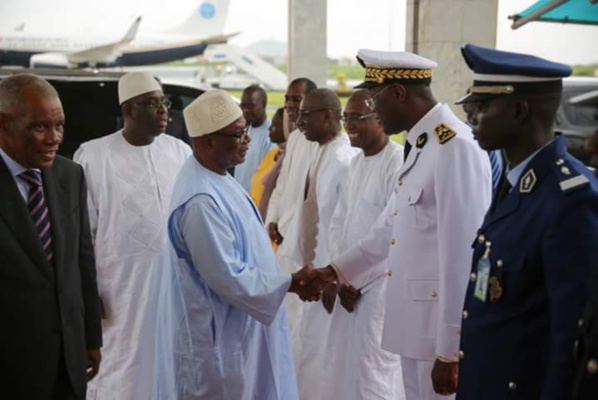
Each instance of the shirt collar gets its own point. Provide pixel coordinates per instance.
(15, 168)
(514, 173)
(418, 128)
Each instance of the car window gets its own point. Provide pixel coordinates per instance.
(579, 114)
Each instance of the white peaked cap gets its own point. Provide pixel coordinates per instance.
(210, 112)
(388, 67)
(395, 59)
(134, 84)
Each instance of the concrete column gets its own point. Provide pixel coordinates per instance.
(307, 40)
(438, 29)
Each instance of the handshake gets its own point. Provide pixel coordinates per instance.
(312, 284)
(309, 282)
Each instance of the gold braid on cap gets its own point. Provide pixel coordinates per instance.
(374, 73)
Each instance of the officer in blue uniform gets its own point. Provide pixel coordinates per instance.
(533, 252)
(586, 347)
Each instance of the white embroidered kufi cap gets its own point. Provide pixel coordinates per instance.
(134, 84)
(210, 112)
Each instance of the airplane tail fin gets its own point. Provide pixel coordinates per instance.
(132, 32)
(207, 19)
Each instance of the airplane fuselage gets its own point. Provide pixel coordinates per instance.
(18, 50)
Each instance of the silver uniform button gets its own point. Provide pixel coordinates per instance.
(461, 354)
(512, 385)
(481, 239)
(473, 277)
(499, 263)
(465, 314)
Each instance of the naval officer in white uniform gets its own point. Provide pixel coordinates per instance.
(442, 193)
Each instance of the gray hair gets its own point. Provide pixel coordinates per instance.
(14, 88)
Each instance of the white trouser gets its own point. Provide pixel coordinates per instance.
(417, 377)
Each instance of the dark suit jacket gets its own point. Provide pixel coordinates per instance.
(45, 309)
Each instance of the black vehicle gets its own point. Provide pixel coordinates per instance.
(90, 102)
(577, 120)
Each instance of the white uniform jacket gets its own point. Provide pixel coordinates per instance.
(443, 191)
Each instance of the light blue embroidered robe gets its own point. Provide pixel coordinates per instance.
(222, 333)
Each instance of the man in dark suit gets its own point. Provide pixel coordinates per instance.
(51, 334)
(586, 348)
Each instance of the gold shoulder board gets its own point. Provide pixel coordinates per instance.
(444, 133)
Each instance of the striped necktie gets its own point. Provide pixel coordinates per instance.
(38, 209)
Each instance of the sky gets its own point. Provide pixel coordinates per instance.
(352, 24)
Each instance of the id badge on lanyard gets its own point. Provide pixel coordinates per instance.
(483, 275)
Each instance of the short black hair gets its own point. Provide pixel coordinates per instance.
(257, 89)
(309, 84)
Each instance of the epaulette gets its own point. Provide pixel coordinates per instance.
(569, 179)
(444, 133)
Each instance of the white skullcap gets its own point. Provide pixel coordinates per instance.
(134, 84)
(210, 112)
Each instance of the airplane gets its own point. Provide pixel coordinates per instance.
(203, 27)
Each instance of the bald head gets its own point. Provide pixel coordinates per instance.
(319, 115)
(362, 125)
(324, 98)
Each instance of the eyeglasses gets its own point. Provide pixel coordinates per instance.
(154, 104)
(355, 118)
(306, 113)
(371, 102)
(239, 136)
(294, 99)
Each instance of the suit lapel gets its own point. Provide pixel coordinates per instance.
(509, 205)
(54, 193)
(14, 213)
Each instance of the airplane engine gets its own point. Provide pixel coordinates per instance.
(49, 60)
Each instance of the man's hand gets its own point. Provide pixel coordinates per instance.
(329, 296)
(444, 377)
(94, 357)
(275, 236)
(309, 282)
(305, 284)
(349, 297)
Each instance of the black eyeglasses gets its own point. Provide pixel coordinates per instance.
(294, 99)
(154, 104)
(239, 136)
(355, 118)
(306, 113)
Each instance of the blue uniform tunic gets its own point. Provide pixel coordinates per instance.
(517, 343)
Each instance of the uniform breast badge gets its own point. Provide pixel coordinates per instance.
(495, 288)
(528, 181)
(444, 133)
